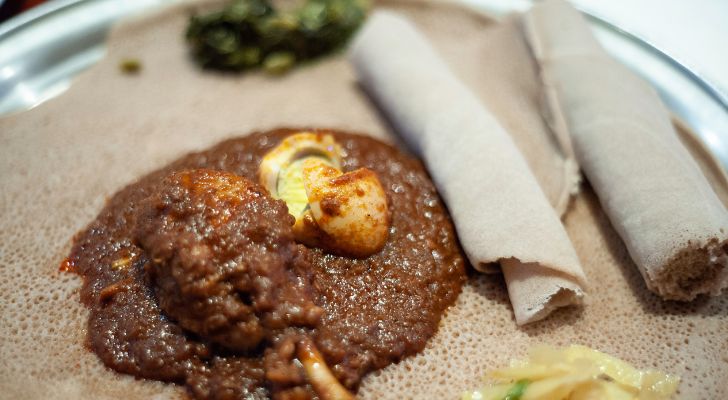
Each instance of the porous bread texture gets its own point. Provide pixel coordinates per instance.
(60, 161)
(621, 317)
(693, 270)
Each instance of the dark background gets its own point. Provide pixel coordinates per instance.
(10, 8)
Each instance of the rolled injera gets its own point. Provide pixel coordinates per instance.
(500, 212)
(672, 222)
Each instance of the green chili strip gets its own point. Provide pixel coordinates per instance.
(518, 389)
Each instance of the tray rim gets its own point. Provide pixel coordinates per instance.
(37, 14)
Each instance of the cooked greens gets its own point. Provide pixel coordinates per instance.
(252, 33)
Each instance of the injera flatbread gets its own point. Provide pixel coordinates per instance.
(439, 116)
(60, 161)
(656, 196)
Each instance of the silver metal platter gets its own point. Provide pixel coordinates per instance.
(44, 48)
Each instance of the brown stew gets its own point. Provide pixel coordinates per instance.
(192, 276)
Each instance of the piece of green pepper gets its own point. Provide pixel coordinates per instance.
(518, 389)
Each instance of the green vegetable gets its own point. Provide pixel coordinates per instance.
(279, 62)
(130, 66)
(518, 389)
(252, 33)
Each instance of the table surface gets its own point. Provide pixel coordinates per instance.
(693, 32)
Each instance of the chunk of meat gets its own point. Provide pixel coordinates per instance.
(223, 257)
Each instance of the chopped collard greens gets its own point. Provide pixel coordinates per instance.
(248, 34)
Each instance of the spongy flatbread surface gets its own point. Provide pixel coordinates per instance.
(60, 161)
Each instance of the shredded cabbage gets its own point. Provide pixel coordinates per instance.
(574, 373)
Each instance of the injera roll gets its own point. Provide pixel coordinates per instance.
(61, 160)
(500, 213)
(673, 223)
